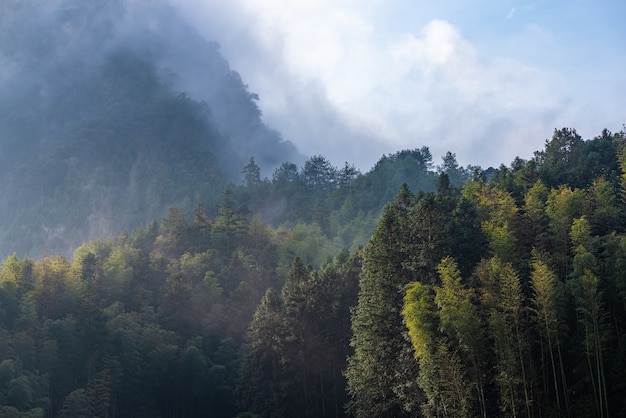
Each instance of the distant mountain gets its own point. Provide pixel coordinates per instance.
(109, 113)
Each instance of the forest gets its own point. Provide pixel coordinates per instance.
(167, 254)
(410, 290)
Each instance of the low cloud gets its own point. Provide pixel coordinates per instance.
(334, 84)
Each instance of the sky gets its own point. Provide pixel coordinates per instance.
(488, 80)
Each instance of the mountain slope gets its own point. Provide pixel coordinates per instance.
(111, 112)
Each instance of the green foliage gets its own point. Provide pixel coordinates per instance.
(442, 375)
(498, 213)
(512, 335)
(298, 342)
(484, 293)
(377, 325)
(420, 317)
(568, 159)
(456, 174)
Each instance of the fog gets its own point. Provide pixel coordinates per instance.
(487, 81)
(88, 88)
(94, 131)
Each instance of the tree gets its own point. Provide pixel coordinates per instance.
(230, 226)
(262, 373)
(534, 218)
(562, 206)
(498, 215)
(443, 376)
(453, 170)
(585, 286)
(560, 159)
(601, 207)
(286, 174)
(590, 306)
(319, 174)
(427, 229)
(252, 174)
(76, 405)
(309, 336)
(173, 237)
(16, 275)
(54, 294)
(348, 173)
(443, 184)
(503, 300)
(548, 297)
(460, 323)
(381, 375)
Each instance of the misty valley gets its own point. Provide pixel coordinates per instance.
(167, 254)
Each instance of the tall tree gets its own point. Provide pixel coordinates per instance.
(498, 214)
(230, 226)
(420, 316)
(563, 205)
(601, 207)
(559, 160)
(382, 378)
(503, 300)
(456, 174)
(589, 301)
(547, 306)
(252, 174)
(463, 328)
(319, 174)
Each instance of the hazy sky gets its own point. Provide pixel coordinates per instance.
(488, 80)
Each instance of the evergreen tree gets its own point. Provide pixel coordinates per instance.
(252, 174)
(382, 379)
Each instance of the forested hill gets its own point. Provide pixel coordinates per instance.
(501, 296)
(109, 113)
(208, 269)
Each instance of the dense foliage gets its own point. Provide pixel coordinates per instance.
(110, 112)
(515, 307)
(292, 287)
(502, 297)
(151, 323)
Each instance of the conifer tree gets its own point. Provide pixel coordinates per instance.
(261, 373)
(379, 383)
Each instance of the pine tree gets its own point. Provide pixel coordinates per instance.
(261, 389)
(381, 375)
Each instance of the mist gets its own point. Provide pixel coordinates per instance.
(95, 95)
(484, 80)
(110, 112)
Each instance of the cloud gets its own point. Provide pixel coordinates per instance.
(336, 82)
(510, 14)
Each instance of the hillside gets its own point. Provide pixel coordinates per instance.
(509, 286)
(164, 253)
(110, 113)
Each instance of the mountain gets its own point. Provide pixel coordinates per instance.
(110, 112)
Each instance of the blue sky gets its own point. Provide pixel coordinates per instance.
(488, 80)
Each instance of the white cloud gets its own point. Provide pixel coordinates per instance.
(510, 14)
(335, 84)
